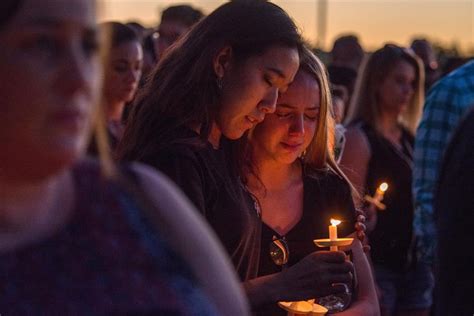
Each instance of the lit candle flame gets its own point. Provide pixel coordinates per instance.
(383, 187)
(335, 222)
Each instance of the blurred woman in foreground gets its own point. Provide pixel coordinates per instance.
(76, 236)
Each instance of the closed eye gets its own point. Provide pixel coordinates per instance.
(283, 115)
(268, 81)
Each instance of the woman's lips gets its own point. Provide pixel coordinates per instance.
(69, 118)
(254, 120)
(292, 146)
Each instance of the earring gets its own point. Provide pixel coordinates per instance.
(303, 155)
(219, 83)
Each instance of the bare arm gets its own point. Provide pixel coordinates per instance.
(367, 303)
(195, 242)
(355, 160)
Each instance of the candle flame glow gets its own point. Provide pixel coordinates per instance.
(383, 187)
(335, 222)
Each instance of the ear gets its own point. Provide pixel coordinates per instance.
(222, 61)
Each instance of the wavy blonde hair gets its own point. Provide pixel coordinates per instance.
(320, 151)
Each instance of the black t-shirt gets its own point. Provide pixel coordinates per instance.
(326, 195)
(392, 239)
(207, 176)
(454, 210)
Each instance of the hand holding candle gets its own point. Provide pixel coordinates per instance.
(381, 191)
(378, 196)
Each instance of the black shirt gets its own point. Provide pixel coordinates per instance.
(392, 239)
(207, 176)
(454, 209)
(326, 195)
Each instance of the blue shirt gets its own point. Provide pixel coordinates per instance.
(445, 105)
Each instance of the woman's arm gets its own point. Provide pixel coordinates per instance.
(355, 160)
(355, 163)
(192, 238)
(367, 303)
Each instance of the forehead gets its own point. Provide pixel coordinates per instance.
(304, 92)
(33, 12)
(403, 67)
(131, 50)
(286, 56)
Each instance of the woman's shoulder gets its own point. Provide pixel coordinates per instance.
(153, 181)
(326, 178)
(190, 236)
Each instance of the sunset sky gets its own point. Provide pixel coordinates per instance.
(374, 21)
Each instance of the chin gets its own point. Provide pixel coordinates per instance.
(67, 148)
(233, 134)
(287, 159)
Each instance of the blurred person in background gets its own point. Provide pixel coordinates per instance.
(447, 102)
(123, 60)
(139, 29)
(346, 56)
(454, 218)
(80, 236)
(340, 98)
(347, 52)
(425, 52)
(175, 22)
(379, 148)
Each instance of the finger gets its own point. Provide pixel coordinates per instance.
(329, 256)
(361, 218)
(360, 226)
(366, 248)
(342, 268)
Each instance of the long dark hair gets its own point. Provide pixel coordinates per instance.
(182, 90)
(116, 33)
(8, 8)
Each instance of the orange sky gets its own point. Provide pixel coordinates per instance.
(374, 21)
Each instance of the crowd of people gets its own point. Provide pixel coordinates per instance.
(187, 169)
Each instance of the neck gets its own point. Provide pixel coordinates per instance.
(387, 122)
(115, 111)
(275, 175)
(27, 205)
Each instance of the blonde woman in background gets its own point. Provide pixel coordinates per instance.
(379, 148)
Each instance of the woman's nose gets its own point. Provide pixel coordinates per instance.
(268, 105)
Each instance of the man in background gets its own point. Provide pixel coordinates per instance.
(175, 22)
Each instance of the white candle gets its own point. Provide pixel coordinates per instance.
(333, 232)
(380, 192)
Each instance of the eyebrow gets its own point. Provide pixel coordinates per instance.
(289, 106)
(55, 24)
